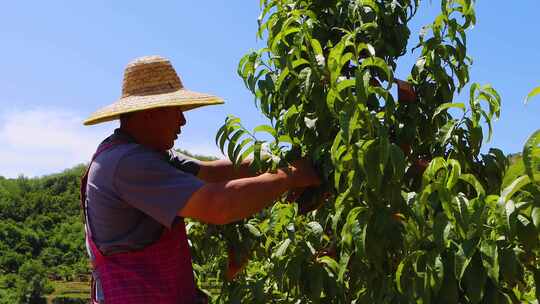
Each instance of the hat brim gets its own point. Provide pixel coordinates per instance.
(185, 99)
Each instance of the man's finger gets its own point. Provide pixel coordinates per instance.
(294, 194)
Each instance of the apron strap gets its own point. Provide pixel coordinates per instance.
(84, 178)
(88, 236)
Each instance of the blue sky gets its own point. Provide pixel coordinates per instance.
(61, 60)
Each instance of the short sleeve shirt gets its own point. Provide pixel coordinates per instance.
(134, 192)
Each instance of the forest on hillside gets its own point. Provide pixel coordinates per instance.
(41, 235)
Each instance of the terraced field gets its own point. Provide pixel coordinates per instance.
(69, 292)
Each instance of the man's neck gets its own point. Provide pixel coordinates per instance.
(141, 137)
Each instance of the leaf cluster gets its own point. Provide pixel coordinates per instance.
(417, 213)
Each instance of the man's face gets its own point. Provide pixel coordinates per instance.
(166, 125)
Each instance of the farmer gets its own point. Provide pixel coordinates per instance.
(137, 191)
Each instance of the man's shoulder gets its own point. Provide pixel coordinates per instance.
(117, 152)
(135, 161)
(138, 155)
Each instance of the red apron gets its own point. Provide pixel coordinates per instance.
(159, 273)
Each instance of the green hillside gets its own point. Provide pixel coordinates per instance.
(41, 235)
(41, 238)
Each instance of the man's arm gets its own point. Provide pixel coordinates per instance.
(230, 201)
(223, 170)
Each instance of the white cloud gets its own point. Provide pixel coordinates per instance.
(44, 141)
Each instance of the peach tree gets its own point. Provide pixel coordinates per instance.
(411, 209)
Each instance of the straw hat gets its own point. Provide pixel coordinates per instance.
(151, 82)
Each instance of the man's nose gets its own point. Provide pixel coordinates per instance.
(182, 119)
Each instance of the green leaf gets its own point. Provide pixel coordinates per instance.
(471, 179)
(474, 279)
(445, 132)
(286, 33)
(347, 83)
(232, 143)
(526, 233)
(536, 276)
(366, 46)
(247, 152)
(246, 65)
(290, 117)
(490, 95)
(282, 76)
(282, 248)
(315, 228)
(231, 125)
(330, 264)
(315, 283)
(350, 224)
(336, 145)
(222, 141)
(404, 269)
(493, 98)
(434, 166)
(535, 215)
(531, 154)
(343, 266)
(488, 122)
(266, 128)
(316, 46)
(448, 105)
(454, 173)
(449, 291)
(334, 58)
(345, 58)
(490, 259)
(285, 139)
(515, 186)
(515, 170)
(371, 164)
(331, 98)
(371, 4)
(397, 163)
(253, 230)
(381, 64)
(239, 148)
(532, 94)
(299, 62)
(436, 274)
(257, 155)
(426, 192)
(464, 256)
(509, 265)
(511, 211)
(441, 230)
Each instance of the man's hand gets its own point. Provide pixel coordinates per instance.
(294, 194)
(303, 174)
(306, 194)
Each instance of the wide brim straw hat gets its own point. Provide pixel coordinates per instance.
(151, 82)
